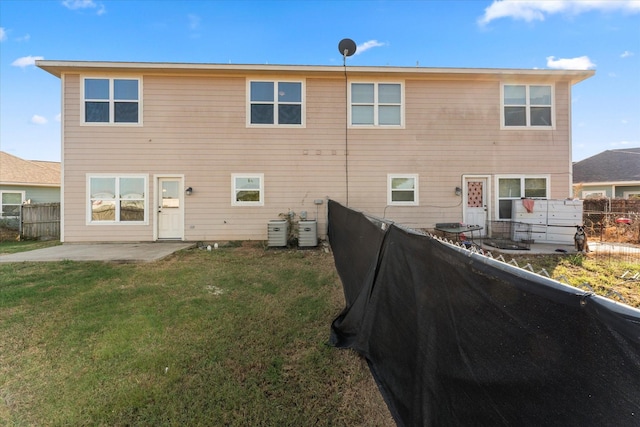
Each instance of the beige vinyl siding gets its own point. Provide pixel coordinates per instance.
(195, 126)
(452, 128)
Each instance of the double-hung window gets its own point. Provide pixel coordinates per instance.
(276, 103)
(527, 106)
(11, 202)
(594, 194)
(111, 100)
(516, 187)
(247, 189)
(631, 195)
(402, 190)
(117, 199)
(376, 104)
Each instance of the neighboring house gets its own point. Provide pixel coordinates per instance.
(26, 181)
(250, 142)
(612, 174)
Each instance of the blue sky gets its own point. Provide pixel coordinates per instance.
(558, 34)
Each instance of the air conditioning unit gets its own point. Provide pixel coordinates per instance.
(277, 232)
(308, 233)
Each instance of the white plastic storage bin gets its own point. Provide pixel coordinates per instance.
(553, 220)
(277, 233)
(308, 233)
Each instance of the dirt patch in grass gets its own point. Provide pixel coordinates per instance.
(7, 234)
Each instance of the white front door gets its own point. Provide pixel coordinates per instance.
(170, 208)
(475, 202)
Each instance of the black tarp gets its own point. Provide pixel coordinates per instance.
(454, 338)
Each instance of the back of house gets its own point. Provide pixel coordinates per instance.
(213, 152)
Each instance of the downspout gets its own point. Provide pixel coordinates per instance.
(62, 186)
(346, 128)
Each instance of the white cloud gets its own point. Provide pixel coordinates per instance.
(38, 120)
(3, 34)
(194, 21)
(78, 4)
(537, 10)
(579, 63)
(24, 38)
(26, 61)
(626, 54)
(85, 4)
(368, 45)
(58, 117)
(623, 143)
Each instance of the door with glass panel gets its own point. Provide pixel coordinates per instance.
(170, 208)
(475, 203)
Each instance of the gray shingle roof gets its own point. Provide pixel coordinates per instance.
(609, 166)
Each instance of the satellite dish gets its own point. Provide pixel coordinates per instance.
(347, 47)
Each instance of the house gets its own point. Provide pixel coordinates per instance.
(610, 174)
(26, 181)
(207, 152)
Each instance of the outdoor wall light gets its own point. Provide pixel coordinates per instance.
(188, 191)
(458, 191)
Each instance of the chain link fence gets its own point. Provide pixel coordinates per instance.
(613, 234)
(618, 227)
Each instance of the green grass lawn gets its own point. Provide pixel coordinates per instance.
(232, 337)
(604, 276)
(13, 246)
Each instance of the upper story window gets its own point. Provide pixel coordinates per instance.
(402, 190)
(527, 106)
(248, 189)
(376, 104)
(111, 100)
(276, 103)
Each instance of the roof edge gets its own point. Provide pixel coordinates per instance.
(606, 183)
(59, 67)
(30, 184)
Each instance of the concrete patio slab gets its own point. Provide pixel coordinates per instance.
(109, 252)
(560, 248)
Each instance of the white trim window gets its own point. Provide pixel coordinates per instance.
(515, 187)
(247, 189)
(10, 202)
(117, 199)
(631, 195)
(402, 189)
(527, 106)
(599, 194)
(275, 103)
(376, 104)
(111, 100)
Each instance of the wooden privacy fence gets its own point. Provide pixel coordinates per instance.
(40, 221)
(611, 205)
